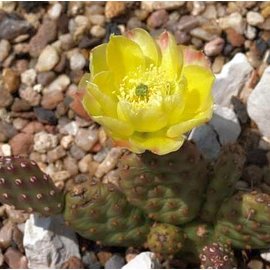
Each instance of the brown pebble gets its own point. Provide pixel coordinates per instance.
(33, 127)
(11, 80)
(15, 259)
(157, 18)
(104, 256)
(236, 39)
(21, 144)
(6, 235)
(114, 9)
(73, 263)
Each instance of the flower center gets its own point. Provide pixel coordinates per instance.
(141, 90)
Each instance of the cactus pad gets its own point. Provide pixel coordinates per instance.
(25, 186)
(165, 239)
(167, 188)
(101, 213)
(217, 256)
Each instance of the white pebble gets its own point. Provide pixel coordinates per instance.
(77, 61)
(55, 11)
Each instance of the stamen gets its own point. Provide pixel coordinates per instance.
(141, 90)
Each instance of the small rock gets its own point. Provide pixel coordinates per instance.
(47, 59)
(235, 21)
(109, 162)
(251, 32)
(187, 23)
(67, 41)
(11, 80)
(115, 262)
(6, 150)
(70, 164)
(44, 78)
(266, 255)
(58, 242)
(98, 31)
(55, 11)
(255, 264)
(257, 105)
(232, 78)
(236, 39)
(30, 95)
(15, 259)
(66, 141)
(76, 152)
(4, 49)
(7, 129)
(51, 100)
(46, 33)
(206, 140)
(12, 26)
(90, 261)
(28, 77)
(218, 64)
(71, 128)
(20, 105)
(114, 9)
(16, 216)
(157, 18)
(254, 18)
(214, 47)
(44, 141)
(5, 98)
(60, 67)
(155, 5)
(97, 19)
(58, 85)
(73, 263)
(84, 163)
(86, 138)
(198, 8)
(33, 127)
(145, 260)
(104, 256)
(45, 116)
(1, 258)
(21, 144)
(55, 154)
(77, 61)
(6, 235)
(202, 34)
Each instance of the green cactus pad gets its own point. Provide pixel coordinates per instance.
(101, 213)
(217, 256)
(165, 239)
(226, 172)
(25, 186)
(167, 188)
(244, 221)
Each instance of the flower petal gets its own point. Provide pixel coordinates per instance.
(145, 119)
(123, 56)
(182, 127)
(90, 104)
(108, 105)
(114, 126)
(172, 59)
(199, 95)
(105, 82)
(98, 61)
(146, 43)
(159, 144)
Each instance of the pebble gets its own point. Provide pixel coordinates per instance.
(44, 141)
(97, 19)
(71, 128)
(1, 258)
(235, 21)
(257, 104)
(98, 31)
(45, 78)
(66, 141)
(232, 78)
(33, 127)
(83, 164)
(76, 152)
(265, 255)
(45, 116)
(60, 176)
(21, 144)
(58, 242)
(4, 49)
(12, 26)
(236, 39)
(157, 18)
(5, 98)
(254, 18)
(16, 216)
(114, 9)
(11, 80)
(115, 262)
(90, 261)
(145, 260)
(73, 263)
(67, 41)
(77, 61)
(214, 47)
(250, 32)
(51, 100)
(206, 140)
(6, 235)
(109, 162)
(30, 95)
(255, 264)
(58, 85)
(70, 164)
(7, 129)
(28, 77)
(55, 154)
(218, 64)
(155, 5)
(15, 259)
(6, 149)
(187, 23)
(47, 33)
(47, 59)
(55, 11)
(86, 138)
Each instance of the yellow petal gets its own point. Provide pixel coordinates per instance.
(147, 119)
(98, 61)
(159, 145)
(172, 59)
(90, 104)
(200, 81)
(115, 126)
(146, 43)
(185, 126)
(108, 105)
(123, 56)
(105, 82)
(85, 79)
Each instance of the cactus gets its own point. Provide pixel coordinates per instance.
(165, 239)
(164, 187)
(99, 212)
(25, 186)
(227, 171)
(217, 256)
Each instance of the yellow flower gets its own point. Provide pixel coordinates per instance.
(147, 94)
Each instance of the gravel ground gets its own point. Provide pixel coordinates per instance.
(44, 51)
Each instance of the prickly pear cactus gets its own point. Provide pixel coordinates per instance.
(25, 186)
(165, 239)
(217, 256)
(168, 188)
(101, 213)
(243, 221)
(226, 172)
